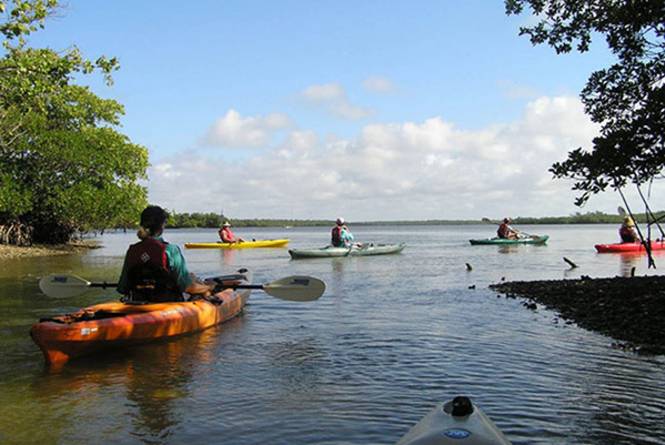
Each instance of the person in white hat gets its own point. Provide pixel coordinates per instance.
(226, 235)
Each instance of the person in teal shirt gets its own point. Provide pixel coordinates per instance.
(347, 236)
(155, 270)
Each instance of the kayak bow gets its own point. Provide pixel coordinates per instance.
(458, 421)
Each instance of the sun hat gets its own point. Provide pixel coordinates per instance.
(340, 221)
(628, 221)
(226, 224)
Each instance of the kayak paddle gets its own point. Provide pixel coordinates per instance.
(63, 286)
(294, 288)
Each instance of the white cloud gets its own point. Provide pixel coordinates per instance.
(409, 170)
(332, 98)
(236, 131)
(379, 85)
(324, 93)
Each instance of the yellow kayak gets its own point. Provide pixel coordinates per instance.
(241, 245)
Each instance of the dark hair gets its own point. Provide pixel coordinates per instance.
(152, 219)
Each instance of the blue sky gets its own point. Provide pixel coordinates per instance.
(278, 109)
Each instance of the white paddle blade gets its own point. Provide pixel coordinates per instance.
(63, 286)
(296, 288)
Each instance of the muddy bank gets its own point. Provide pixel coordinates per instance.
(10, 252)
(630, 310)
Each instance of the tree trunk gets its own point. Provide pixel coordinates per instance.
(16, 233)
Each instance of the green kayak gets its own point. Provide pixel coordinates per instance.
(456, 422)
(533, 239)
(355, 250)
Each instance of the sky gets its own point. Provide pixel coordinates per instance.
(368, 110)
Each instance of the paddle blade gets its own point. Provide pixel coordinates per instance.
(63, 286)
(621, 211)
(296, 288)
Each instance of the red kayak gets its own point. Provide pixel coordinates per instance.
(629, 247)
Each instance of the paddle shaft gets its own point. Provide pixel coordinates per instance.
(104, 285)
(293, 288)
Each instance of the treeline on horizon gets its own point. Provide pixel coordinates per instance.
(211, 220)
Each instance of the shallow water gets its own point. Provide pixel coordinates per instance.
(391, 336)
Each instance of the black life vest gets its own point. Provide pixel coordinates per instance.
(148, 273)
(336, 237)
(502, 231)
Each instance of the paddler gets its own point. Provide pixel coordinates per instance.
(340, 235)
(505, 231)
(226, 235)
(627, 231)
(155, 270)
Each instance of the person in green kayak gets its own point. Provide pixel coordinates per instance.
(227, 236)
(505, 231)
(627, 231)
(155, 270)
(341, 236)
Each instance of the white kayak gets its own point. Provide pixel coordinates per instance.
(355, 250)
(459, 422)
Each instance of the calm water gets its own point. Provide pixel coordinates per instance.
(391, 336)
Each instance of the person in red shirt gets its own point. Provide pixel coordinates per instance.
(505, 231)
(227, 236)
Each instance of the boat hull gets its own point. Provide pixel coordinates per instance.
(114, 324)
(243, 245)
(629, 247)
(503, 241)
(441, 427)
(333, 252)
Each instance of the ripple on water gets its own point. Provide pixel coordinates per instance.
(391, 337)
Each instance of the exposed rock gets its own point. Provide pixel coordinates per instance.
(631, 310)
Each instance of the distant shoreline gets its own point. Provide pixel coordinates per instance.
(213, 220)
(436, 222)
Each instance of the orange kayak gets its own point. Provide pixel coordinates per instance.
(113, 324)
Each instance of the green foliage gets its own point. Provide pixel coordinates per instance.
(65, 166)
(582, 218)
(211, 220)
(627, 99)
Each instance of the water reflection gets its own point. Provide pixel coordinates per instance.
(338, 265)
(509, 248)
(629, 262)
(154, 379)
(229, 257)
